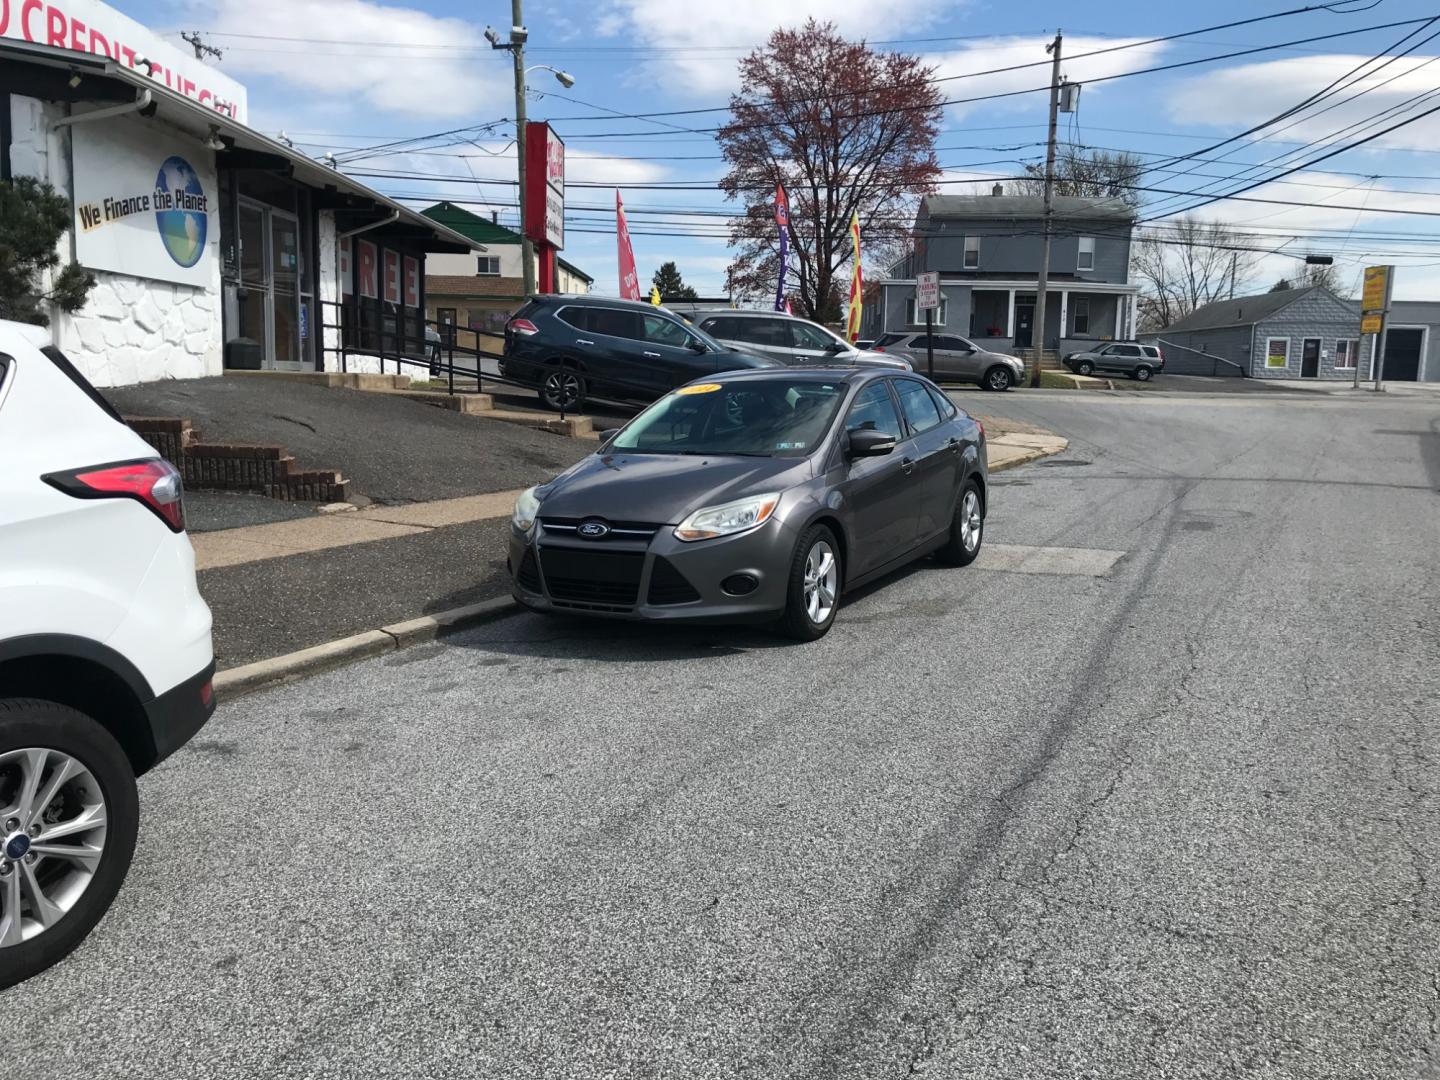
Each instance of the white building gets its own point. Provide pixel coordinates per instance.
(210, 243)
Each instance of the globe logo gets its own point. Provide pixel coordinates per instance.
(182, 213)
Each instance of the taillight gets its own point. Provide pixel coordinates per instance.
(152, 481)
(523, 326)
(980, 426)
(879, 348)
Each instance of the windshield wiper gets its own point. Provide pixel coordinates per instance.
(721, 453)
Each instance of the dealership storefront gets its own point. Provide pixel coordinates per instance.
(211, 244)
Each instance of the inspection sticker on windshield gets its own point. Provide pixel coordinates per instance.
(703, 388)
(789, 446)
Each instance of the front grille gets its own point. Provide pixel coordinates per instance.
(599, 579)
(619, 530)
(669, 586)
(529, 575)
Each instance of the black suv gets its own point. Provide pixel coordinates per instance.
(574, 347)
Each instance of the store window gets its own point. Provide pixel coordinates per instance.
(1277, 352)
(1347, 352)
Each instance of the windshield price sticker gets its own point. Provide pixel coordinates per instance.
(703, 388)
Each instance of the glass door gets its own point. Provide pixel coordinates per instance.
(285, 290)
(254, 292)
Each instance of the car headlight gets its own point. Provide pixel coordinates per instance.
(527, 506)
(726, 520)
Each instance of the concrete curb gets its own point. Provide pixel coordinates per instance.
(236, 682)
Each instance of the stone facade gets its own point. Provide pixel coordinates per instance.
(131, 329)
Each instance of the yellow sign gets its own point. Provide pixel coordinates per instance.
(1371, 324)
(703, 388)
(1377, 286)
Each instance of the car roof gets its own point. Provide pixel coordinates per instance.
(846, 373)
(37, 336)
(591, 300)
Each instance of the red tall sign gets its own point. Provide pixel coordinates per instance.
(629, 280)
(544, 198)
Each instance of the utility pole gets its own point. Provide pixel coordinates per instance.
(527, 249)
(1234, 262)
(1038, 330)
(196, 42)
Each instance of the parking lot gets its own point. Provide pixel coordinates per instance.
(1147, 791)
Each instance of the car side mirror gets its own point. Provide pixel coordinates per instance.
(608, 434)
(870, 443)
(697, 346)
(836, 347)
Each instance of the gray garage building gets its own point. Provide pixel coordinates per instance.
(1307, 333)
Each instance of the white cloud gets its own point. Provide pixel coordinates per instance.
(702, 71)
(1011, 52)
(439, 81)
(1236, 98)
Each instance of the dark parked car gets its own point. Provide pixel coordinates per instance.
(574, 347)
(756, 496)
(1124, 357)
(956, 359)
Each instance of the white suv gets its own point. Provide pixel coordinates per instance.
(105, 657)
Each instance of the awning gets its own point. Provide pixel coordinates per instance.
(40, 71)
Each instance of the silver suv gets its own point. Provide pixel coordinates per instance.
(956, 359)
(789, 339)
(1123, 357)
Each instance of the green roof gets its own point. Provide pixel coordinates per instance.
(483, 231)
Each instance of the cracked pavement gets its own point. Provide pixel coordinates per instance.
(1176, 821)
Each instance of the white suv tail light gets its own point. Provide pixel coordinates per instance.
(153, 482)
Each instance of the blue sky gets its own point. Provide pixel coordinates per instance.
(338, 75)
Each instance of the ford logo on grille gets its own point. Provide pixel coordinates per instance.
(593, 530)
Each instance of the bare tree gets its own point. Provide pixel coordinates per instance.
(1186, 264)
(847, 129)
(1098, 174)
(1309, 276)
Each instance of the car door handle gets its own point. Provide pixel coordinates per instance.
(907, 466)
(582, 341)
(652, 355)
(954, 446)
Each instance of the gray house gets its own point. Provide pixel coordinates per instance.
(987, 251)
(1305, 333)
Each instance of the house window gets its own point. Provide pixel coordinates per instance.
(1082, 314)
(1347, 351)
(1086, 259)
(972, 253)
(917, 318)
(489, 266)
(1277, 352)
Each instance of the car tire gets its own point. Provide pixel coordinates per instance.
(1085, 368)
(1142, 373)
(967, 528)
(69, 736)
(998, 378)
(807, 617)
(562, 389)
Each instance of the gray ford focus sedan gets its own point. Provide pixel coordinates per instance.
(756, 496)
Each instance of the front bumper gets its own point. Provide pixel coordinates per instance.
(658, 578)
(176, 715)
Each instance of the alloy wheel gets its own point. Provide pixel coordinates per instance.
(970, 521)
(999, 379)
(1086, 368)
(822, 582)
(52, 839)
(562, 389)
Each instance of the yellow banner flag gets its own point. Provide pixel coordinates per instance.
(655, 295)
(857, 283)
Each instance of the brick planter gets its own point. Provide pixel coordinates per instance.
(265, 469)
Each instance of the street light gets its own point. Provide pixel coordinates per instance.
(516, 47)
(564, 78)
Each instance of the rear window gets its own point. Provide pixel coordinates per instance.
(62, 362)
(1150, 350)
(888, 339)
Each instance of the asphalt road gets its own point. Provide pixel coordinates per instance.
(1177, 820)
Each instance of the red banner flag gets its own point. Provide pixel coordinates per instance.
(629, 280)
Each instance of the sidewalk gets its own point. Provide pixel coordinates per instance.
(282, 586)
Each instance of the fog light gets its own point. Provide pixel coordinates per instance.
(739, 584)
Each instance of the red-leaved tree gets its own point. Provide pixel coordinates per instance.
(844, 128)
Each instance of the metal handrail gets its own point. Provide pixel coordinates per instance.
(1214, 359)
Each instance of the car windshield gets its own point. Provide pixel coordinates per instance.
(713, 345)
(775, 417)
